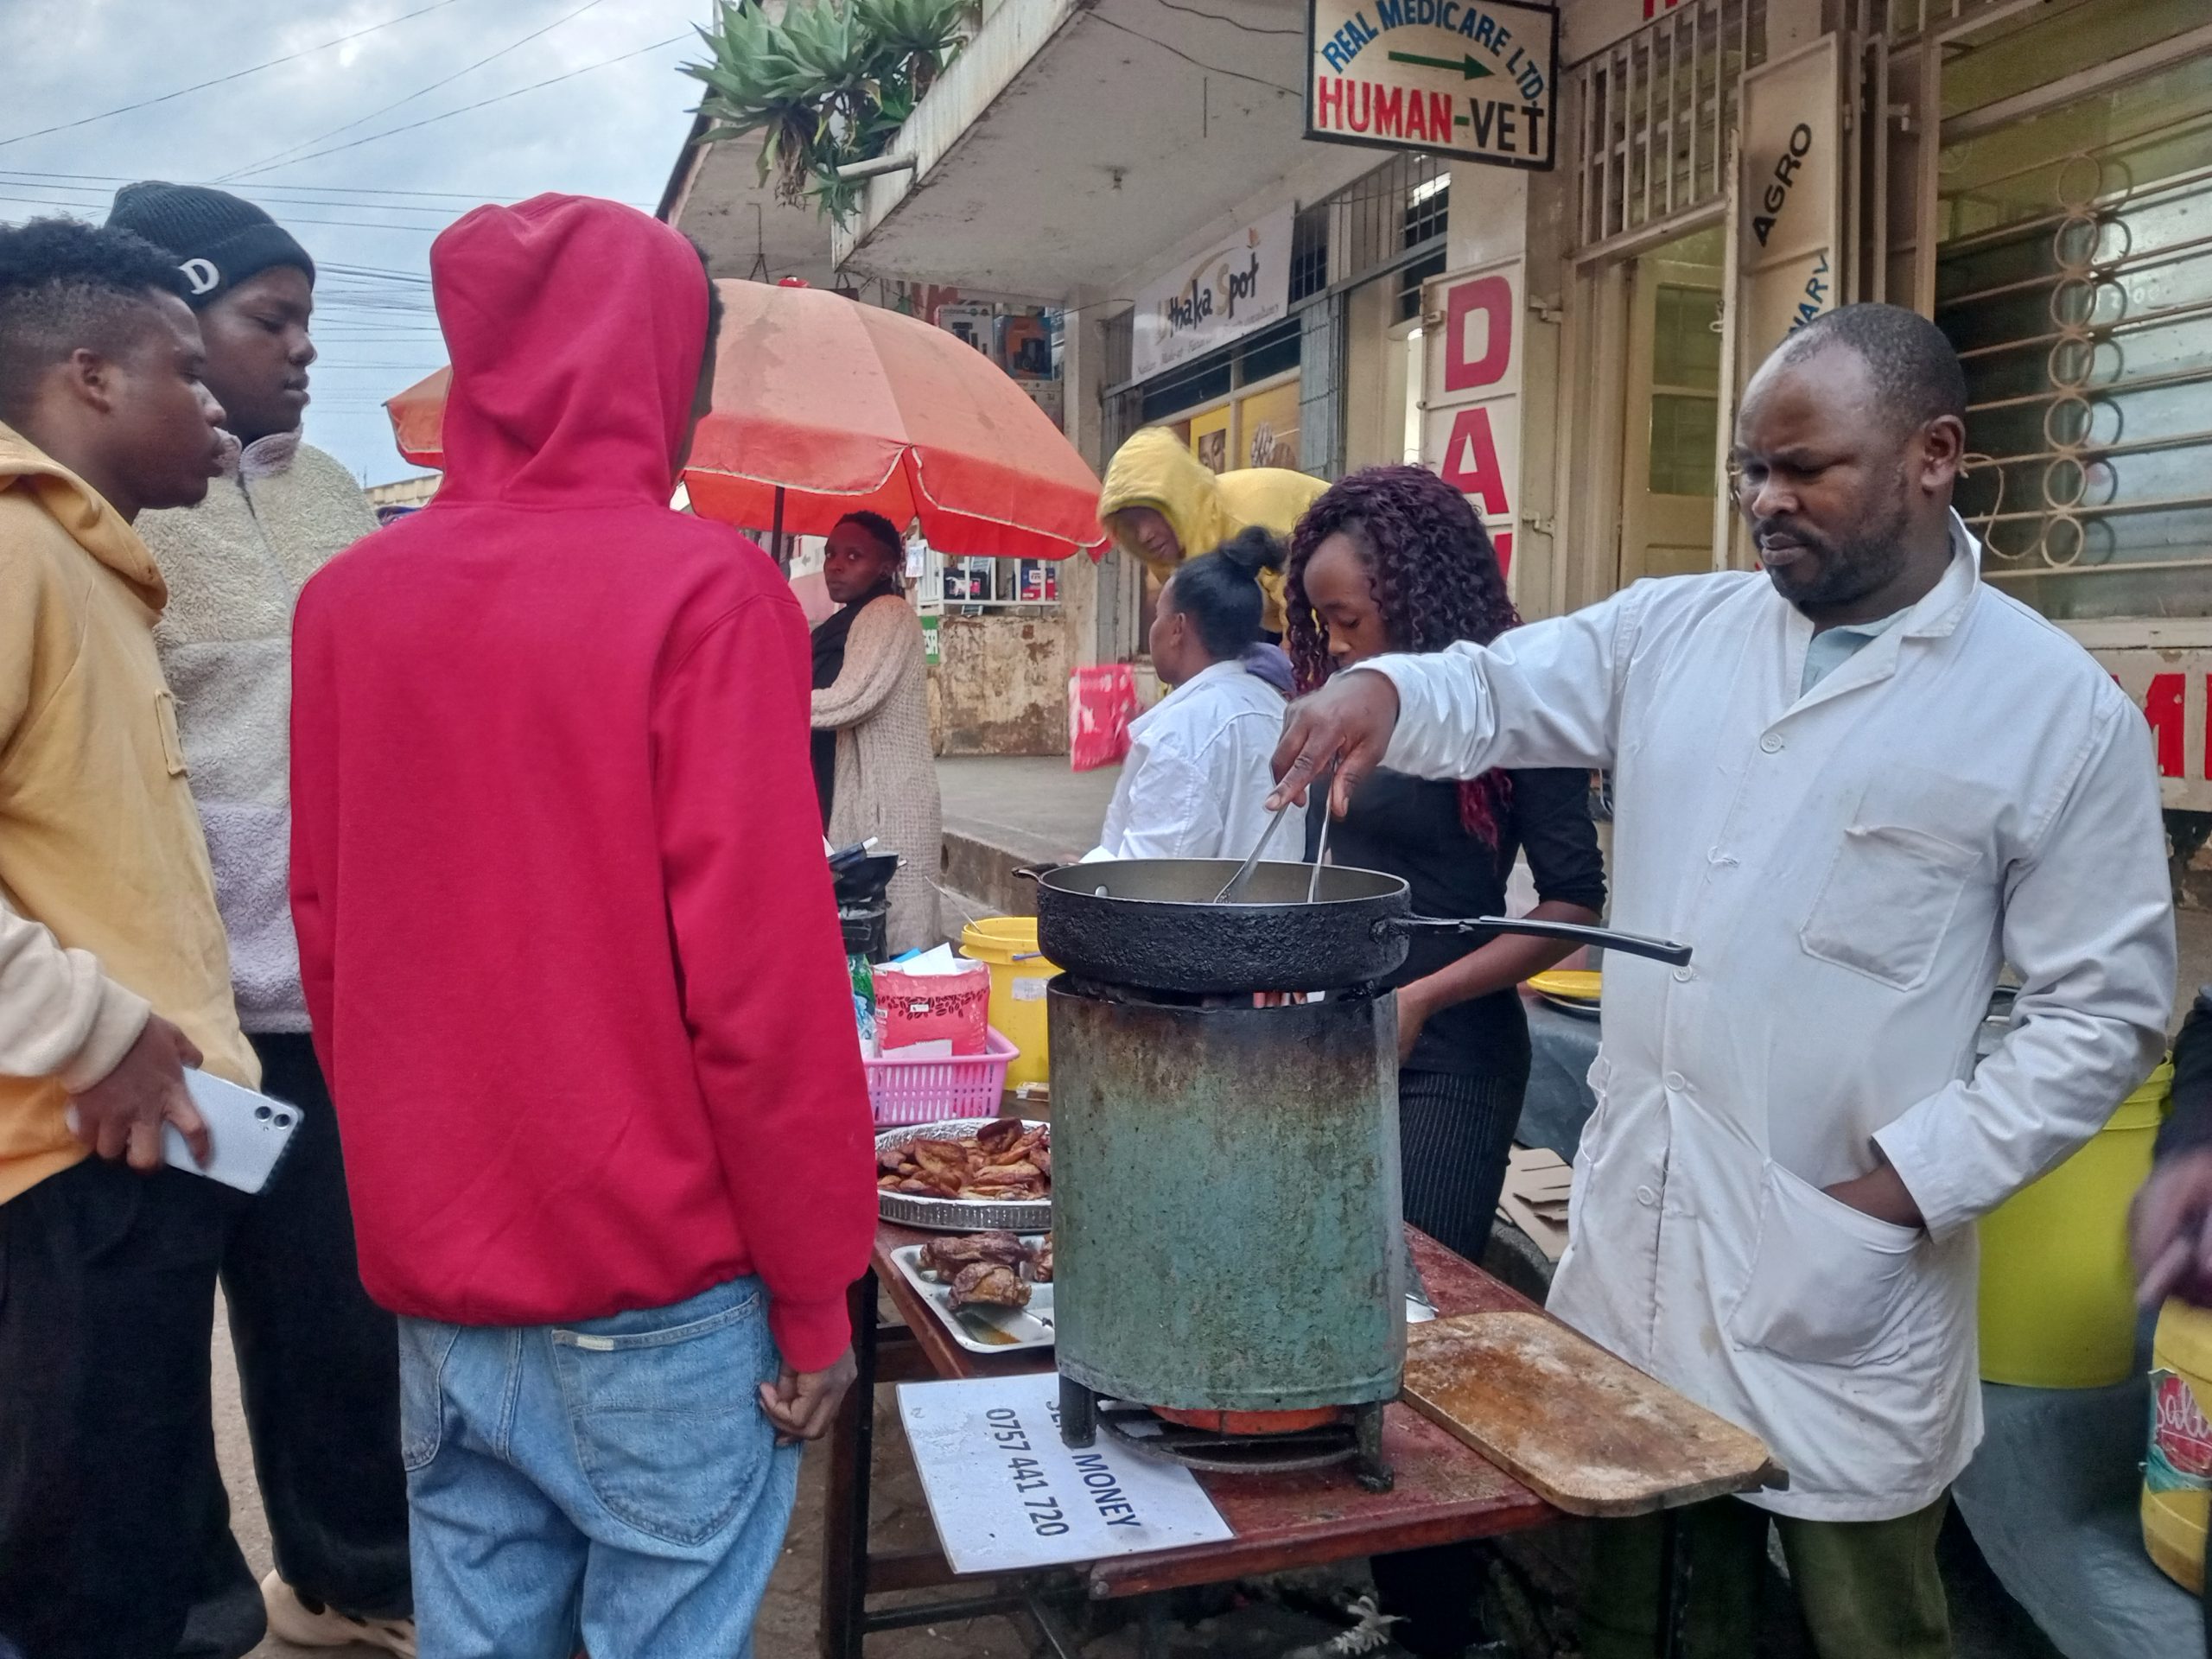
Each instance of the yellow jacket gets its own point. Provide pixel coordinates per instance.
(107, 906)
(1156, 469)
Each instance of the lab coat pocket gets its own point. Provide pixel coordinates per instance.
(1829, 1285)
(1887, 901)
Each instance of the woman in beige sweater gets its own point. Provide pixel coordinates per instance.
(871, 692)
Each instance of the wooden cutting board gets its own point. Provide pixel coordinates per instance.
(1587, 1432)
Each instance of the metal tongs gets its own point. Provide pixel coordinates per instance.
(1238, 881)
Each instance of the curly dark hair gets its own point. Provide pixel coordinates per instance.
(1435, 578)
(66, 284)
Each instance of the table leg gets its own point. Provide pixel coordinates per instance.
(844, 1522)
(1674, 1568)
(1078, 1414)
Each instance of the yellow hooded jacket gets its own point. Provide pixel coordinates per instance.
(107, 905)
(1156, 469)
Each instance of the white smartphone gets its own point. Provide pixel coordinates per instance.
(247, 1133)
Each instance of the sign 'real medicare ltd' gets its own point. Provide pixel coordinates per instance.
(1473, 81)
(1240, 284)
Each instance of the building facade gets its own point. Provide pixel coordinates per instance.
(1566, 343)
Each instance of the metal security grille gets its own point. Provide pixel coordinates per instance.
(2074, 275)
(1652, 114)
(1380, 217)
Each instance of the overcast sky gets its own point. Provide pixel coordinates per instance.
(367, 212)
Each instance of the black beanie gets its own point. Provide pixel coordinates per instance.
(219, 239)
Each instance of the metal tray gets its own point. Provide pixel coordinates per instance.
(1015, 1329)
(958, 1215)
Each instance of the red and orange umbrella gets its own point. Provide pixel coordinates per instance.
(823, 406)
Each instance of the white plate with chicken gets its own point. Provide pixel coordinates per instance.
(993, 1290)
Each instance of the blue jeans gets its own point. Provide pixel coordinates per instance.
(610, 1484)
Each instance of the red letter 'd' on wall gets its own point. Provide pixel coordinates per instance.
(1493, 298)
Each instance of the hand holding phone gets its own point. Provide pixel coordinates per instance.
(246, 1135)
(128, 1113)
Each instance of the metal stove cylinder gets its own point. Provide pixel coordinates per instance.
(1225, 1210)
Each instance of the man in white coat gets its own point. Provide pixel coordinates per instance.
(1859, 783)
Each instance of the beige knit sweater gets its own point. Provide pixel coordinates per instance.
(886, 777)
(235, 565)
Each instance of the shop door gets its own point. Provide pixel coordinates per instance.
(1669, 453)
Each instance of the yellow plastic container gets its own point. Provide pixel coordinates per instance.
(2175, 1474)
(2057, 1294)
(1008, 945)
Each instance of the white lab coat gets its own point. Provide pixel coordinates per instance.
(1852, 867)
(1196, 781)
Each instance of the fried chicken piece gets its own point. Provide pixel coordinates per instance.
(1040, 1262)
(1043, 1159)
(999, 1133)
(946, 1257)
(988, 1283)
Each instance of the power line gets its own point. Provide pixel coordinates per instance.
(423, 92)
(1218, 17)
(99, 195)
(1212, 69)
(291, 218)
(475, 196)
(502, 98)
(236, 74)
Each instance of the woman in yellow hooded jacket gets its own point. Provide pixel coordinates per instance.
(1162, 504)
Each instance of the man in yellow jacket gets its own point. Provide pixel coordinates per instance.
(1162, 504)
(114, 975)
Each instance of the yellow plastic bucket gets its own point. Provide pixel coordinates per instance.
(2057, 1294)
(2179, 1467)
(1008, 945)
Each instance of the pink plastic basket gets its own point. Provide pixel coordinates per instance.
(923, 1091)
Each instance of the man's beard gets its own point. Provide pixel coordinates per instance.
(1849, 570)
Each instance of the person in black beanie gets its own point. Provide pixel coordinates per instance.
(318, 1361)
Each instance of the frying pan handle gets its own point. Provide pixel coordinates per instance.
(1034, 872)
(1633, 944)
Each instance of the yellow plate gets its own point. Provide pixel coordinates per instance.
(1575, 984)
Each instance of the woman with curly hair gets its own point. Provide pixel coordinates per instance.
(1394, 559)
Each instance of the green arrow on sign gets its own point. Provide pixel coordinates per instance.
(1468, 68)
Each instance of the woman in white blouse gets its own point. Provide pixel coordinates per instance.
(1196, 781)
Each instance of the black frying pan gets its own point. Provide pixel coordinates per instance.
(1151, 923)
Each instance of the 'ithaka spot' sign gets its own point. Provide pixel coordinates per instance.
(1468, 81)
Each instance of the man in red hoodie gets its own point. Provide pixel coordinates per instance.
(573, 963)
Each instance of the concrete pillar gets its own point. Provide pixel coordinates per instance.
(1083, 362)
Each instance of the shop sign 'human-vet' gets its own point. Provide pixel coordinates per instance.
(1238, 284)
(1473, 81)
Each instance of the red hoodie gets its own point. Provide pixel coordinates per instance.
(566, 931)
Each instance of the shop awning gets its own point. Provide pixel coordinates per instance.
(1071, 142)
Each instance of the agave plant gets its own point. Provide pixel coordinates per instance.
(827, 85)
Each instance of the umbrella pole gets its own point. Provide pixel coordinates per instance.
(776, 548)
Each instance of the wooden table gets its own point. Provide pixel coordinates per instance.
(1444, 1492)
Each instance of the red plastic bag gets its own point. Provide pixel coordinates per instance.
(913, 1009)
(1102, 701)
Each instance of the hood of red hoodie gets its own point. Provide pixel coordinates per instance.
(576, 327)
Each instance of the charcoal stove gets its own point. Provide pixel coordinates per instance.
(1226, 1226)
